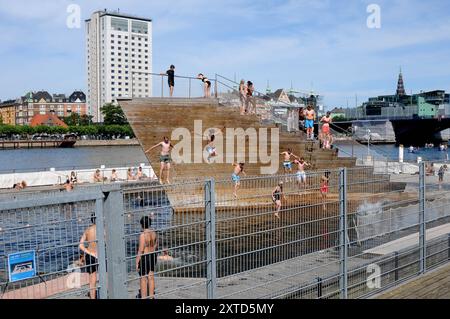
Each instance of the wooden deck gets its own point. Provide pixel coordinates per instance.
(434, 285)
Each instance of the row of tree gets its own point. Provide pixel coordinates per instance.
(87, 130)
(112, 115)
(114, 124)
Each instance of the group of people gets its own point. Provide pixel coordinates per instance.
(170, 73)
(98, 177)
(325, 136)
(146, 257)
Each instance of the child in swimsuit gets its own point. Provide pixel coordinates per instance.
(211, 148)
(324, 188)
(236, 178)
(277, 195)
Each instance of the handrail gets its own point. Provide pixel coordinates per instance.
(373, 146)
(162, 75)
(177, 76)
(259, 93)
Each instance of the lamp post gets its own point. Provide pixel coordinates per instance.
(368, 143)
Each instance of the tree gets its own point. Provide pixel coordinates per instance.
(113, 114)
(76, 119)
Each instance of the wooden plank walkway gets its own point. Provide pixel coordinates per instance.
(408, 241)
(434, 285)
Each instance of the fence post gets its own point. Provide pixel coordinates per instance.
(210, 218)
(319, 288)
(215, 88)
(422, 219)
(101, 249)
(396, 265)
(343, 253)
(190, 87)
(115, 248)
(448, 253)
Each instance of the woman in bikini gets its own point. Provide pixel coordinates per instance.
(207, 85)
(324, 188)
(326, 120)
(147, 258)
(277, 195)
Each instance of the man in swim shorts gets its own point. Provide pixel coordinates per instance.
(310, 117)
(146, 258)
(88, 246)
(164, 158)
(301, 174)
(287, 164)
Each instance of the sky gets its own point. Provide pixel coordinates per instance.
(320, 45)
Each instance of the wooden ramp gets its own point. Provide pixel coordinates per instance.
(153, 118)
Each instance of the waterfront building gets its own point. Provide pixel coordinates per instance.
(22, 110)
(46, 120)
(429, 104)
(44, 103)
(119, 59)
(8, 112)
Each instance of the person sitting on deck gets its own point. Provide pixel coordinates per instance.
(140, 174)
(73, 178)
(114, 177)
(165, 159)
(130, 176)
(98, 177)
(236, 178)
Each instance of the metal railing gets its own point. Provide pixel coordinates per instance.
(228, 94)
(185, 86)
(341, 233)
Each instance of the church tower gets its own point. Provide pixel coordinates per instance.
(400, 85)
